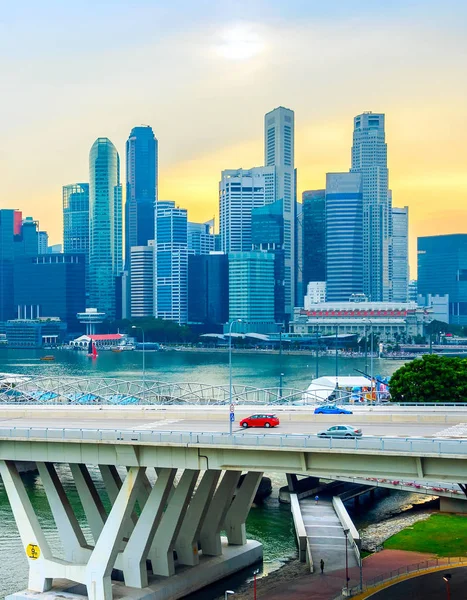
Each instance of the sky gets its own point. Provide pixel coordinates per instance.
(203, 73)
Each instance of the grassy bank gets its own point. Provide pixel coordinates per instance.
(441, 534)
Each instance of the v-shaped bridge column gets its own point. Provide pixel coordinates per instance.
(210, 533)
(186, 545)
(94, 510)
(161, 553)
(30, 531)
(237, 514)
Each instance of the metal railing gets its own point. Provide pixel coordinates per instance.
(415, 446)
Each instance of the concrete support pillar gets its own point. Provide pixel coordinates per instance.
(186, 545)
(237, 514)
(32, 537)
(161, 553)
(69, 530)
(101, 563)
(136, 551)
(210, 533)
(90, 499)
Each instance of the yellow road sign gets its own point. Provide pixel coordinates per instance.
(33, 551)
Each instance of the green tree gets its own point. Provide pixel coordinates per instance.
(430, 379)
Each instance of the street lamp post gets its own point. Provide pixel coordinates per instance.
(144, 360)
(227, 594)
(255, 572)
(346, 533)
(280, 363)
(447, 579)
(317, 354)
(230, 370)
(366, 349)
(337, 359)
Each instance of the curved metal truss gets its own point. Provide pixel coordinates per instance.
(103, 390)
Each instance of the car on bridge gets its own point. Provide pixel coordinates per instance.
(267, 421)
(332, 409)
(340, 431)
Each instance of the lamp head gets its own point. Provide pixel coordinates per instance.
(447, 577)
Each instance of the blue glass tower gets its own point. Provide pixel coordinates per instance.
(105, 226)
(141, 188)
(76, 218)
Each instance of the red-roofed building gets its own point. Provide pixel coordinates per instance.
(101, 341)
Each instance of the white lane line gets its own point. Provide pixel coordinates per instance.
(158, 424)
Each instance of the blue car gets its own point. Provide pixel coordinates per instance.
(332, 409)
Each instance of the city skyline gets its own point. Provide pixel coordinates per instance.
(207, 118)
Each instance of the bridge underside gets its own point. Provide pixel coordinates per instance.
(162, 538)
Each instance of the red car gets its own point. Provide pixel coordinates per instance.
(260, 421)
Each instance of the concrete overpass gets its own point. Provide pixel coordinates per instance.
(172, 544)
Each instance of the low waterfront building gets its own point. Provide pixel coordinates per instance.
(34, 333)
(106, 340)
(387, 320)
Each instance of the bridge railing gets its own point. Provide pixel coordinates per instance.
(417, 446)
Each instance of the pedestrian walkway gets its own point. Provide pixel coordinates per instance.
(325, 535)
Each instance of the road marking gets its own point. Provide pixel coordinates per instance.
(157, 424)
(458, 430)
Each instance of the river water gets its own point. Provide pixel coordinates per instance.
(270, 524)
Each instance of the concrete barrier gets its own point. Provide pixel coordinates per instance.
(346, 521)
(304, 553)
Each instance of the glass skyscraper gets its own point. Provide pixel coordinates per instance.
(369, 157)
(251, 288)
(344, 236)
(400, 248)
(314, 236)
(105, 226)
(76, 218)
(141, 188)
(171, 263)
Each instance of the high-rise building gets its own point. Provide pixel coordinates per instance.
(43, 242)
(105, 226)
(267, 235)
(279, 141)
(208, 288)
(142, 280)
(50, 285)
(314, 236)
(369, 157)
(76, 218)
(201, 239)
(400, 254)
(442, 269)
(344, 236)
(8, 219)
(241, 190)
(171, 263)
(141, 188)
(27, 242)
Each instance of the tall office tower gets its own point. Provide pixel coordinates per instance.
(369, 157)
(279, 153)
(442, 269)
(76, 218)
(208, 288)
(344, 236)
(27, 242)
(105, 226)
(241, 190)
(171, 263)
(400, 254)
(251, 288)
(141, 188)
(142, 280)
(8, 226)
(314, 236)
(43, 242)
(267, 235)
(201, 239)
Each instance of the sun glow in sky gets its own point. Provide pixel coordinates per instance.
(203, 74)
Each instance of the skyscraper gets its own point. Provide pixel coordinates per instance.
(241, 190)
(344, 236)
(8, 222)
(105, 226)
(142, 280)
(201, 239)
(369, 157)
(76, 218)
(42, 242)
(171, 263)
(400, 254)
(141, 188)
(279, 140)
(208, 288)
(314, 236)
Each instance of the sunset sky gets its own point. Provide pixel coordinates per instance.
(202, 73)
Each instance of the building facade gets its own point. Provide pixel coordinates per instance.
(314, 236)
(7, 257)
(400, 254)
(442, 269)
(369, 157)
(344, 236)
(75, 198)
(316, 294)
(141, 188)
(279, 148)
(201, 239)
(42, 242)
(142, 280)
(208, 288)
(251, 287)
(171, 263)
(105, 226)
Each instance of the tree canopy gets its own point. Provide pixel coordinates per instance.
(431, 378)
